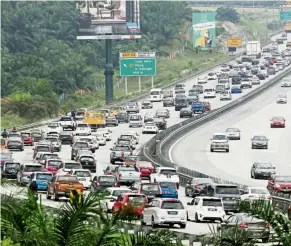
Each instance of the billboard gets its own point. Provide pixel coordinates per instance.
(234, 42)
(108, 19)
(204, 35)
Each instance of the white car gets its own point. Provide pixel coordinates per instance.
(135, 136)
(219, 141)
(91, 140)
(164, 211)
(83, 175)
(246, 83)
(111, 195)
(226, 95)
(209, 93)
(202, 80)
(286, 83)
(101, 138)
(54, 127)
(233, 133)
(256, 193)
(83, 129)
(255, 80)
(166, 174)
(150, 127)
(203, 208)
(135, 120)
(281, 98)
(106, 132)
(211, 76)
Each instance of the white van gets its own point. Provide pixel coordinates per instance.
(135, 120)
(156, 95)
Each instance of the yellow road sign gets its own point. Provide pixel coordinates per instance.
(234, 42)
(128, 54)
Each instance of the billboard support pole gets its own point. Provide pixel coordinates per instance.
(108, 71)
(152, 82)
(139, 84)
(125, 83)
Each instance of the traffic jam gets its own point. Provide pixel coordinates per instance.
(151, 190)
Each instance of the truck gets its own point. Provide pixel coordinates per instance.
(67, 122)
(254, 48)
(95, 120)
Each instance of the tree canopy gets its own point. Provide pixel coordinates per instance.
(227, 14)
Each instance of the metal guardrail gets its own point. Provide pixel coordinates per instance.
(141, 96)
(156, 150)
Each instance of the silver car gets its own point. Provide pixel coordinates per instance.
(219, 142)
(233, 133)
(281, 98)
(226, 95)
(259, 142)
(286, 83)
(262, 170)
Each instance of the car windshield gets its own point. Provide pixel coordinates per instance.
(167, 185)
(150, 124)
(229, 190)
(53, 125)
(82, 174)
(150, 187)
(220, 137)
(264, 165)
(146, 102)
(180, 101)
(277, 119)
(283, 179)
(155, 92)
(282, 96)
(180, 92)
(44, 176)
(50, 156)
(12, 165)
(124, 142)
(168, 171)
(86, 158)
(68, 179)
(212, 202)
(81, 145)
(192, 93)
(106, 179)
(13, 135)
(126, 136)
(127, 169)
(131, 158)
(260, 138)
(179, 86)
(85, 139)
(259, 191)
(131, 104)
(43, 149)
(232, 130)
(84, 152)
(122, 148)
(172, 205)
(30, 168)
(72, 166)
(80, 113)
(54, 163)
(208, 90)
(134, 117)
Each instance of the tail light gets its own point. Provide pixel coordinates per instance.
(197, 186)
(82, 189)
(97, 183)
(58, 186)
(120, 176)
(109, 173)
(269, 198)
(116, 185)
(122, 155)
(268, 225)
(243, 225)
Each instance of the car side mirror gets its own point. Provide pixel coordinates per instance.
(110, 131)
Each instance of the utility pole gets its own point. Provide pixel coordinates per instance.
(108, 71)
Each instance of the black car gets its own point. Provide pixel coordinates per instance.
(186, 112)
(10, 169)
(102, 182)
(88, 162)
(196, 185)
(168, 102)
(198, 88)
(162, 113)
(180, 103)
(236, 80)
(122, 116)
(255, 70)
(160, 123)
(66, 137)
(15, 143)
(261, 76)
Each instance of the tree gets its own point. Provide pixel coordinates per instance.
(227, 14)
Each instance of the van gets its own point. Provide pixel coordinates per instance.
(229, 193)
(135, 120)
(156, 95)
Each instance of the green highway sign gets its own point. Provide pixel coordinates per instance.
(285, 16)
(138, 66)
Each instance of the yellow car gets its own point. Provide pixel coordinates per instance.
(3, 143)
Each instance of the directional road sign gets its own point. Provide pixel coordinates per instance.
(137, 64)
(285, 16)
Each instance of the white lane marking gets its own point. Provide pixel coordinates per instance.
(210, 122)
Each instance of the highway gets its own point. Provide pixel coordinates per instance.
(102, 155)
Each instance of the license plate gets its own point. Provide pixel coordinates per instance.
(43, 182)
(172, 212)
(212, 209)
(82, 179)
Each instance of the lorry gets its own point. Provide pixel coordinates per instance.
(254, 48)
(95, 120)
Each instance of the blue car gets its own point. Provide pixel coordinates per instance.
(42, 179)
(236, 89)
(169, 190)
(197, 108)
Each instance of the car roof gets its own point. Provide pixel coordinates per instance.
(117, 188)
(32, 164)
(208, 197)
(83, 170)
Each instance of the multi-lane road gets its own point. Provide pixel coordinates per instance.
(234, 165)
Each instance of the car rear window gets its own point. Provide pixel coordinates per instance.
(212, 202)
(68, 178)
(167, 185)
(119, 192)
(106, 179)
(284, 179)
(150, 187)
(54, 163)
(83, 174)
(43, 149)
(229, 190)
(122, 148)
(172, 205)
(81, 145)
(50, 156)
(13, 142)
(137, 199)
(45, 176)
(29, 168)
(86, 158)
(72, 166)
(168, 171)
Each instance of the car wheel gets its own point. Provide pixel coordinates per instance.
(112, 162)
(72, 157)
(252, 175)
(211, 150)
(48, 196)
(55, 196)
(227, 151)
(142, 221)
(182, 226)
(266, 147)
(153, 222)
(253, 147)
(265, 240)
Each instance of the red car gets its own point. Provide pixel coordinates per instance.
(207, 106)
(146, 169)
(274, 59)
(27, 138)
(137, 201)
(52, 165)
(280, 183)
(278, 121)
